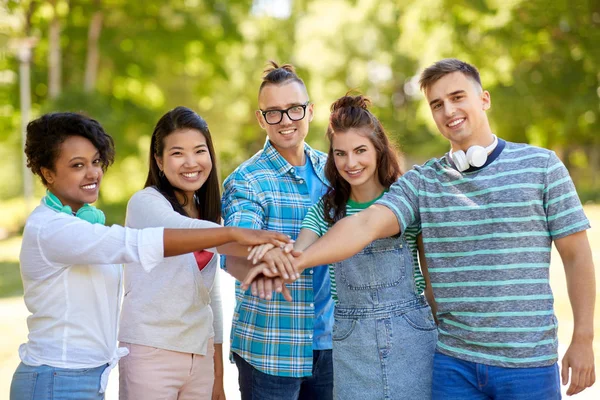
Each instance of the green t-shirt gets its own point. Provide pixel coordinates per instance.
(315, 221)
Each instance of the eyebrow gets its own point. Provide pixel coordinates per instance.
(181, 148)
(285, 107)
(354, 149)
(449, 94)
(83, 158)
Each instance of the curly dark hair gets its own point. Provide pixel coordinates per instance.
(46, 134)
(208, 197)
(349, 112)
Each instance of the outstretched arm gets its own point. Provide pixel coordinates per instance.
(349, 236)
(576, 256)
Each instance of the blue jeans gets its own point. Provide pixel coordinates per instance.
(50, 383)
(256, 385)
(455, 379)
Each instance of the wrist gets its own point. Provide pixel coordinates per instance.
(583, 336)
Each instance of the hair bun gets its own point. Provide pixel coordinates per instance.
(348, 101)
(272, 66)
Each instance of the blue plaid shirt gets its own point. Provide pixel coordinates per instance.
(274, 336)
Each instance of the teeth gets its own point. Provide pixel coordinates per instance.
(190, 174)
(287, 132)
(90, 186)
(454, 123)
(355, 172)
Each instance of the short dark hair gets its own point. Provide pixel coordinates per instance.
(349, 112)
(46, 134)
(208, 197)
(433, 73)
(275, 74)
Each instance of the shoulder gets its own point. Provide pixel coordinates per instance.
(250, 170)
(147, 195)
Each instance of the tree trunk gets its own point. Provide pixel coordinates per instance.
(93, 51)
(54, 56)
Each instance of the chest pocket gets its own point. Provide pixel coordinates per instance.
(381, 264)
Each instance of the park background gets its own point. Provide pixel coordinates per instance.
(125, 63)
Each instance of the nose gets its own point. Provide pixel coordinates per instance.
(190, 160)
(285, 119)
(351, 160)
(449, 109)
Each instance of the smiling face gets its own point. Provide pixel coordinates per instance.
(185, 161)
(458, 106)
(77, 173)
(355, 159)
(287, 136)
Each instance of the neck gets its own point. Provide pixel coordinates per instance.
(366, 193)
(483, 141)
(190, 207)
(294, 156)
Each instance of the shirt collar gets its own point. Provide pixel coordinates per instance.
(282, 166)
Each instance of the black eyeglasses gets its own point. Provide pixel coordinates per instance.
(294, 113)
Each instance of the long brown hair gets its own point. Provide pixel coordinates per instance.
(207, 198)
(353, 112)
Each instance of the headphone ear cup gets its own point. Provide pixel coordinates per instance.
(91, 214)
(460, 160)
(476, 156)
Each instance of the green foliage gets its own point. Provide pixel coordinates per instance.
(539, 60)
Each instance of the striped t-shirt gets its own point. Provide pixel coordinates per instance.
(487, 237)
(315, 221)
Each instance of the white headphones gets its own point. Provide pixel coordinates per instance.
(476, 156)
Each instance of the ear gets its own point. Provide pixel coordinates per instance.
(486, 100)
(48, 175)
(159, 162)
(259, 118)
(311, 111)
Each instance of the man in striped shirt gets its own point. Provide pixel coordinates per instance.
(489, 212)
(282, 349)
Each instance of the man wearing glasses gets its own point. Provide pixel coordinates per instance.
(282, 349)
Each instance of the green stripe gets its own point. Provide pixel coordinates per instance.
(566, 212)
(485, 191)
(554, 167)
(502, 344)
(570, 227)
(492, 299)
(497, 358)
(483, 221)
(482, 207)
(561, 198)
(557, 183)
(511, 329)
(490, 283)
(490, 251)
(503, 314)
(431, 163)
(484, 177)
(488, 267)
(484, 237)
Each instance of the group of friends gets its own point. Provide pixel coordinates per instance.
(355, 279)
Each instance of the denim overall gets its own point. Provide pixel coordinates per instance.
(384, 335)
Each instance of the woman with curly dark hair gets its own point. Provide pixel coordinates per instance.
(384, 334)
(70, 262)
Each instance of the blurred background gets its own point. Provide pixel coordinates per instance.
(125, 63)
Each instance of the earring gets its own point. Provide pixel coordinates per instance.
(161, 173)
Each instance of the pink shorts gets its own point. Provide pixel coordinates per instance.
(151, 373)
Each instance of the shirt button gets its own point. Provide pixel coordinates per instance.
(310, 336)
(311, 271)
(301, 181)
(312, 304)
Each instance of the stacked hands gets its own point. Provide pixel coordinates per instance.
(274, 266)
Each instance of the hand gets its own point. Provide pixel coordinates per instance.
(263, 288)
(218, 392)
(281, 264)
(253, 237)
(257, 252)
(580, 359)
(256, 273)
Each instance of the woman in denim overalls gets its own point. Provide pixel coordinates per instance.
(384, 334)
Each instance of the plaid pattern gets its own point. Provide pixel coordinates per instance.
(274, 336)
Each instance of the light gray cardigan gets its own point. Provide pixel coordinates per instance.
(175, 306)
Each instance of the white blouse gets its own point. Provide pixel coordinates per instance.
(72, 286)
